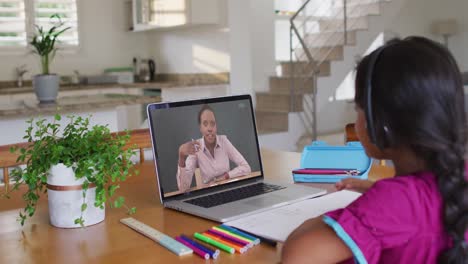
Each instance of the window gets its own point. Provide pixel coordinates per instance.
(12, 23)
(66, 9)
(17, 19)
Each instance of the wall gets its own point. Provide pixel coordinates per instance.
(105, 42)
(413, 18)
(252, 44)
(194, 49)
(242, 44)
(417, 16)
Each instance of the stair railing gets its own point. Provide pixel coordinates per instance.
(300, 51)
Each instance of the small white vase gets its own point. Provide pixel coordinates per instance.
(65, 196)
(46, 87)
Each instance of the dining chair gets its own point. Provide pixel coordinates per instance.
(140, 139)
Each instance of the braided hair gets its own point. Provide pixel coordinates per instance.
(418, 95)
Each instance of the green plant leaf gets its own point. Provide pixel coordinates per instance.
(83, 207)
(79, 221)
(58, 117)
(44, 41)
(119, 202)
(93, 153)
(112, 189)
(132, 211)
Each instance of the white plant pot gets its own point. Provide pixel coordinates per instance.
(65, 196)
(46, 87)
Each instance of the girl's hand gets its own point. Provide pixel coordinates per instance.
(354, 184)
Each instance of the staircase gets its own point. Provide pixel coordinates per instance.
(321, 38)
(274, 106)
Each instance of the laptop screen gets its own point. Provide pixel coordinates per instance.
(204, 143)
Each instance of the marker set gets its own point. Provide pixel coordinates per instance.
(224, 238)
(213, 240)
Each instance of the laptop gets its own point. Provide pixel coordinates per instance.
(208, 162)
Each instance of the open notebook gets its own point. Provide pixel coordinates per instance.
(278, 223)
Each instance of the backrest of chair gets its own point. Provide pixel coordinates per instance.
(139, 139)
(350, 133)
(8, 159)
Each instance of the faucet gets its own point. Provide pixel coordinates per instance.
(76, 77)
(20, 71)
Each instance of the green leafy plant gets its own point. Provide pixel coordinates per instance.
(94, 154)
(44, 41)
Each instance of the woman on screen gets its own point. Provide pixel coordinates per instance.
(212, 154)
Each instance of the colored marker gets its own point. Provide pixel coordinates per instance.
(229, 238)
(214, 253)
(216, 250)
(232, 234)
(254, 239)
(214, 243)
(237, 248)
(197, 251)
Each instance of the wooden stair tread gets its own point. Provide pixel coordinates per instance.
(270, 131)
(275, 111)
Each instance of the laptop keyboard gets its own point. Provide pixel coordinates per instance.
(234, 195)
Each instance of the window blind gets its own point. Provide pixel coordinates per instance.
(67, 10)
(12, 23)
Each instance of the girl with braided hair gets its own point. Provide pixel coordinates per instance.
(410, 109)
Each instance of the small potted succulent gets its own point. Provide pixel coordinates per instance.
(79, 167)
(46, 85)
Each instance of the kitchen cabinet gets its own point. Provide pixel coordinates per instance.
(22, 97)
(163, 14)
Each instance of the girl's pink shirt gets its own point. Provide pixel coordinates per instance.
(398, 220)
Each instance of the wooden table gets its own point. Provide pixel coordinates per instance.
(112, 242)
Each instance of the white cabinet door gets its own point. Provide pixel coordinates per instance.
(5, 99)
(23, 96)
(154, 14)
(116, 90)
(78, 92)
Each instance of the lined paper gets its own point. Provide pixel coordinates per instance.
(278, 223)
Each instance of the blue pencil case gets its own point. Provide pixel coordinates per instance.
(319, 155)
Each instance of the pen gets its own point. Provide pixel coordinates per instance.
(197, 251)
(344, 169)
(255, 240)
(262, 239)
(240, 249)
(213, 242)
(230, 238)
(214, 253)
(232, 234)
(327, 171)
(195, 145)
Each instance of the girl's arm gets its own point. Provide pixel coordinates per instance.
(354, 184)
(314, 242)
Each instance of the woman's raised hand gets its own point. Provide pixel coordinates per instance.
(189, 148)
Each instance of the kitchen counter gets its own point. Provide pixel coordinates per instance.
(72, 104)
(164, 81)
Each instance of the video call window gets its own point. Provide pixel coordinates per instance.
(203, 145)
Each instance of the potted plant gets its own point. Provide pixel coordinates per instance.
(46, 85)
(80, 170)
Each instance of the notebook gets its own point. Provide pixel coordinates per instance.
(208, 163)
(278, 223)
